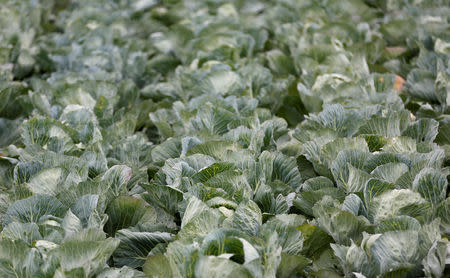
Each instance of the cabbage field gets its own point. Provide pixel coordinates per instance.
(224, 138)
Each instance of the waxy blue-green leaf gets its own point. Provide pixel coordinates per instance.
(290, 239)
(212, 266)
(306, 200)
(393, 251)
(397, 202)
(390, 172)
(424, 130)
(157, 266)
(30, 210)
(135, 246)
(431, 184)
(390, 126)
(198, 219)
(17, 259)
(116, 178)
(398, 223)
(91, 256)
(125, 272)
(127, 211)
(343, 226)
(247, 218)
(27, 232)
(434, 262)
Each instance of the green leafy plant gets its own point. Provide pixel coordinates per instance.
(222, 138)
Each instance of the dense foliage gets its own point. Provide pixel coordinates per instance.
(214, 138)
